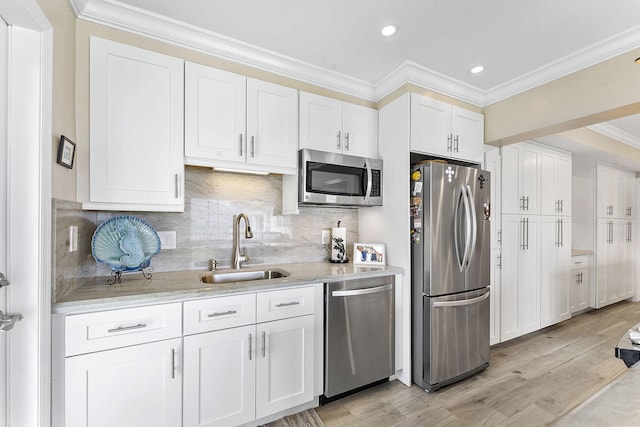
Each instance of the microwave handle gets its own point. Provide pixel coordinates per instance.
(367, 164)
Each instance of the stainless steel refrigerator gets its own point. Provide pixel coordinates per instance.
(450, 213)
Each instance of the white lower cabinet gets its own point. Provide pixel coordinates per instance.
(219, 377)
(555, 256)
(520, 282)
(240, 374)
(579, 283)
(137, 386)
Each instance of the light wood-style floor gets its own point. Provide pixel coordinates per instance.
(532, 380)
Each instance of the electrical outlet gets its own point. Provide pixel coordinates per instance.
(326, 236)
(167, 239)
(73, 238)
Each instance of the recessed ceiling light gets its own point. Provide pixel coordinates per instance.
(637, 60)
(388, 30)
(477, 69)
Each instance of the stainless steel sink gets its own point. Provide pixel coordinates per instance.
(242, 275)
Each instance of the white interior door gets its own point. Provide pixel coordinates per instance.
(25, 212)
(3, 212)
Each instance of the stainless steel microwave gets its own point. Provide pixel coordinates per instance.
(338, 179)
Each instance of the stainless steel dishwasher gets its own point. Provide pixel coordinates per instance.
(359, 344)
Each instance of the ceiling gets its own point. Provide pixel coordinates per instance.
(521, 44)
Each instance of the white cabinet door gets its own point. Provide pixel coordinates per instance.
(360, 130)
(320, 123)
(607, 192)
(272, 125)
(555, 254)
(606, 288)
(520, 282)
(467, 128)
(219, 377)
(555, 183)
(136, 132)
(626, 273)
(214, 113)
(138, 386)
(494, 297)
(334, 126)
(431, 126)
(520, 178)
(284, 372)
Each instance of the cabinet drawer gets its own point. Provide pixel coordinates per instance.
(104, 330)
(581, 261)
(219, 313)
(274, 305)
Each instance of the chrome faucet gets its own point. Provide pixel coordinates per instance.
(237, 258)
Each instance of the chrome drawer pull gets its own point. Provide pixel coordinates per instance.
(127, 328)
(223, 313)
(287, 304)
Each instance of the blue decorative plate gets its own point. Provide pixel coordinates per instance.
(125, 242)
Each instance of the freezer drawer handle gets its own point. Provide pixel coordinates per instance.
(461, 303)
(364, 291)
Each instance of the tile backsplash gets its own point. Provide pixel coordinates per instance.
(205, 229)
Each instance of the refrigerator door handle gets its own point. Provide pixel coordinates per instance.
(461, 302)
(461, 201)
(473, 219)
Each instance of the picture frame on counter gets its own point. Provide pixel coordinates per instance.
(369, 254)
(66, 152)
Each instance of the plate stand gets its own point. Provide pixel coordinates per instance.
(116, 275)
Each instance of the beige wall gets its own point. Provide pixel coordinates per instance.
(607, 90)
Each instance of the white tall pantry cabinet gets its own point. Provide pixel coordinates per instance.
(535, 238)
(608, 226)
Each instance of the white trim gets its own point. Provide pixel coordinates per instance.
(617, 134)
(118, 15)
(27, 15)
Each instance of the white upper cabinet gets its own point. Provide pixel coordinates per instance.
(235, 122)
(330, 125)
(441, 129)
(555, 183)
(615, 197)
(136, 129)
(520, 178)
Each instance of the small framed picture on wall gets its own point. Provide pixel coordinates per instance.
(66, 152)
(369, 254)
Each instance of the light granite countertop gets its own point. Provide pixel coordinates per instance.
(184, 285)
(578, 252)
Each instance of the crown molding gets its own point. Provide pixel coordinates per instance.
(616, 133)
(410, 72)
(118, 15)
(591, 55)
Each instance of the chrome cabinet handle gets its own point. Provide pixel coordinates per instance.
(499, 262)
(338, 140)
(253, 146)
(240, 137)
(250, 345)
(173, 363)
(456, 144)
(287, 304)
(346, 141)
(450, 142)
(127, 328)
(223, 313)
(177, 186)
(264, 341)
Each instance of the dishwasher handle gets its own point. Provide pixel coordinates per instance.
(363, 291)
(461, 302)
